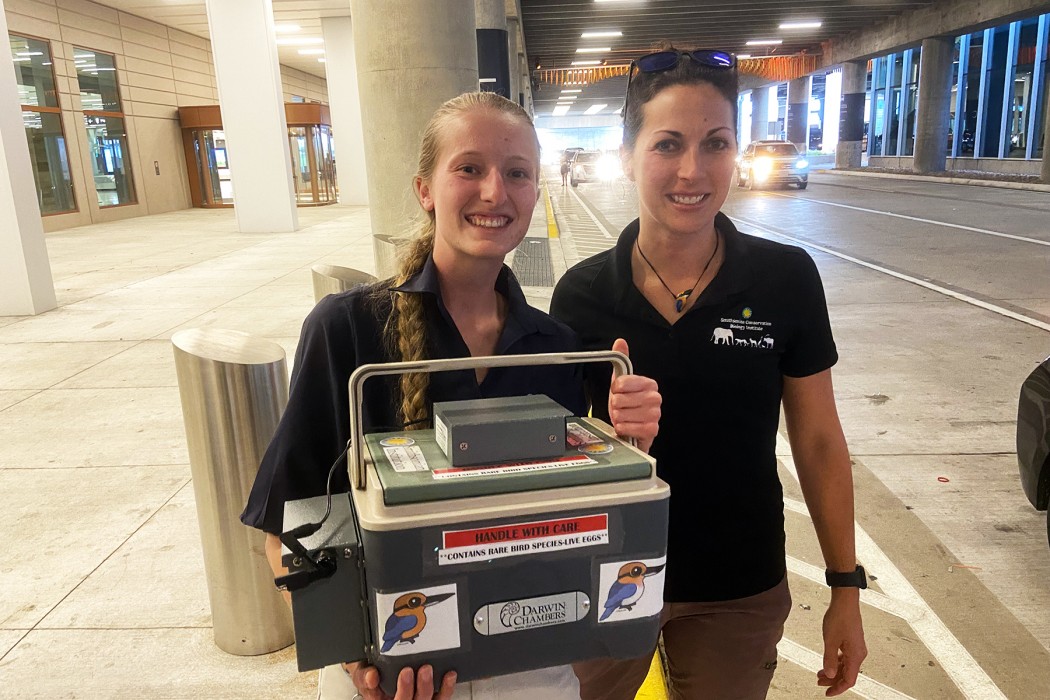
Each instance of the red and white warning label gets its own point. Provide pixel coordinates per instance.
(464, 546)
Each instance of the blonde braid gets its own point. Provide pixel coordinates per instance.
(411, 332)
(405, 332)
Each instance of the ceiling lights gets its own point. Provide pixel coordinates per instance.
(570, 91)
(310, 52)
(586, 63)
(765, 42)
(594, 109)
(596, 49)
(596, 35)
(300, 41)
(811, 24)
(560, 110)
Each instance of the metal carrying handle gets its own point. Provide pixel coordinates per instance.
(355, 458)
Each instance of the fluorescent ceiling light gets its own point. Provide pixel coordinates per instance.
(765, 42)
(30, 53)
(286, 28)
(595, 49)
(22, 59)
(594, 109)
(585, 63)
(300, 41)
(570, 91)
(567, 97)
(310, 52)
(801, 25)
(743, 55)
(560, 110)
(595, 35)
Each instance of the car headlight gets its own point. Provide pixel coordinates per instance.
(801, 163)
(762, 168)
(608, 168)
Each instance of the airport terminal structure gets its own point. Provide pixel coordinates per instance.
(171, 165)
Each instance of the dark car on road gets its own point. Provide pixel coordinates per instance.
(1033, 437)
(772, 162)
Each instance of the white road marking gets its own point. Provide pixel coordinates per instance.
(907, 278)
(866, 687)
(973, 229)
(953, 657)
(590, 213)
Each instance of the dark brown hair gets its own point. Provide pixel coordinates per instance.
(646, 86)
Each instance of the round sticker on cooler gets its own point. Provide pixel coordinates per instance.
(599, 448)
(397, 442)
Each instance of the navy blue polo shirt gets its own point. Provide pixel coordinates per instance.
(720, 369)
(345, 331)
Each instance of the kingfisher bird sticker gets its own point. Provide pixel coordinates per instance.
(413, 622)
(628, 590)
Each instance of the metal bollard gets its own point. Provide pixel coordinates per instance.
(234, 388)
(332, 279)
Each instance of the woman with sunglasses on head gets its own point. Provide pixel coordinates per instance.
(732, 327)
(477, 182)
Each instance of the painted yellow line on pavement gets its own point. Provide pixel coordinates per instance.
(653, 688)
(552, 224)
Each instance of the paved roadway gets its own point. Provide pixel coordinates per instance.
(940, 301)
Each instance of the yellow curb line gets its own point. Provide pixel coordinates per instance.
(552, 224)
(653, 688)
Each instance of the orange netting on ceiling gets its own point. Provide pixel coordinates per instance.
(773, 68)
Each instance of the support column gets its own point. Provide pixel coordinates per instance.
(512, 57)
(851, 114)
(797, 128)
(26, 285)
(345, 103)
(251, 98)
(1045, 171)
(760, 113)
(411, 57)
(493, 51)
(934, 104)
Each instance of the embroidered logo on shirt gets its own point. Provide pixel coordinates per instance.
(744, 332)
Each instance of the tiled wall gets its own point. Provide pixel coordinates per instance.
(159, 69)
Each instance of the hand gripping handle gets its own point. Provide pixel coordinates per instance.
(356, 462)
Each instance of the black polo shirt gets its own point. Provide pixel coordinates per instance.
(720, 369)
(345, 331)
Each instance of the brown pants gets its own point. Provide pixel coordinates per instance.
(719, 651)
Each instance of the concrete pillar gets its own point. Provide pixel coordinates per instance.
(493, 50)
(513, 24)
(934, 104)
(251, 99)
(1045, 171)
(345, 103)
(760, 114)
(851, 114)
(26, 285)
(797, 127)
(411, 57)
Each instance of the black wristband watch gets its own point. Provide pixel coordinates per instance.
(852, 579)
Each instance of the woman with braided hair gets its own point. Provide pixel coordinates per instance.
(477, 183)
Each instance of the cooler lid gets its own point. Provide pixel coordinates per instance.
(413, 469)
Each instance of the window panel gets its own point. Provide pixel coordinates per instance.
(109, 160)
(49, 156)
(33, 72)
(97, 76)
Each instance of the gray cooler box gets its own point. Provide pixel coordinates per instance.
(485, 570)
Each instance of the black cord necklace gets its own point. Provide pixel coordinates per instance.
(682, 298)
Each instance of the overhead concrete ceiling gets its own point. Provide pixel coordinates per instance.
(191, 16)
(554, 29)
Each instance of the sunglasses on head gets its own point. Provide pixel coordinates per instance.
(666, 60)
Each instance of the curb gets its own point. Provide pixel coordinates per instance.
(1031, 187)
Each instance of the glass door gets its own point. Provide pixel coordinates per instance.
(213, 168)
